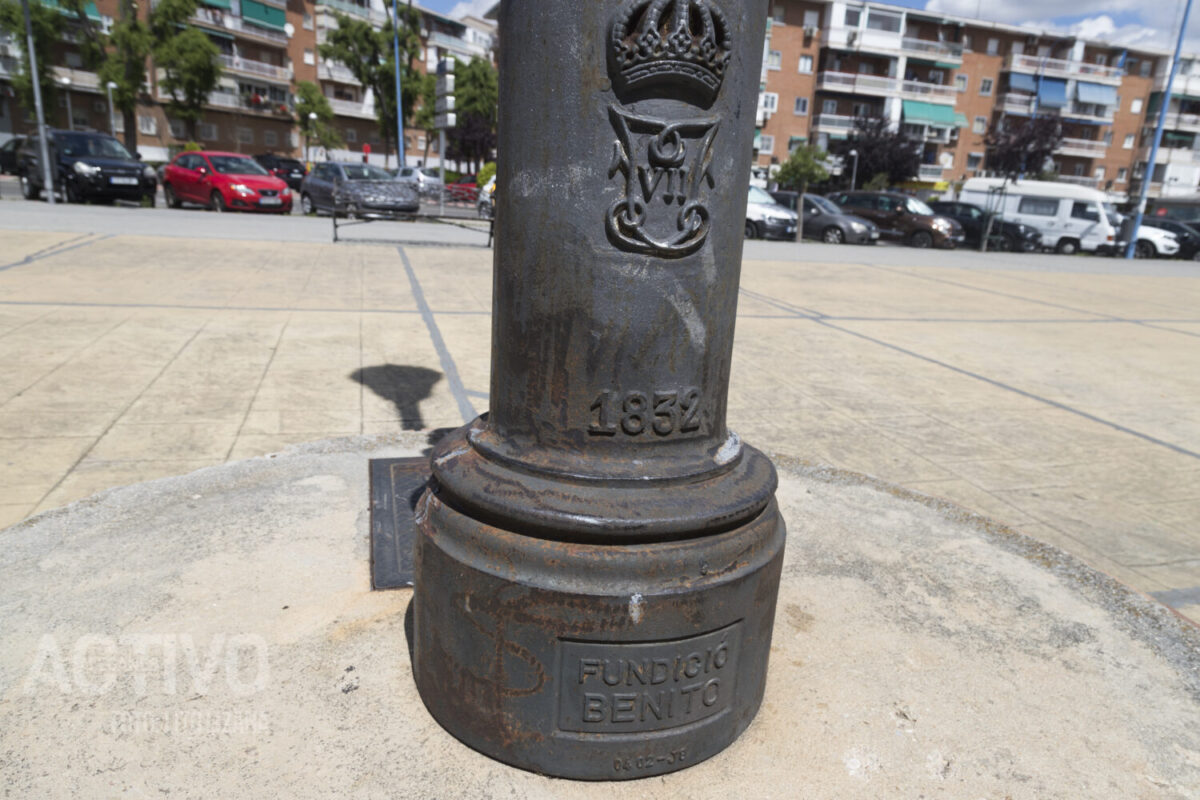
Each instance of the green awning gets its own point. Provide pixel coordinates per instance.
(919, 113)
(931, 63)
(225, 4)
(89, 10)
(960, 119)
(262, 14)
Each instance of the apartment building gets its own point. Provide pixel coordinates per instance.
(944, 80)
(266, 47)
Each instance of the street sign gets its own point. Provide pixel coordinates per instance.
(445, 121)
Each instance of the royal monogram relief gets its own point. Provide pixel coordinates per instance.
(667, 166)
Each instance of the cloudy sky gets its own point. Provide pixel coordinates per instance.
(1132, 22)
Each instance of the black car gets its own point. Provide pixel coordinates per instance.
(289, 170)
(1005, 235)
(8, 155)
(357, 190)
(1188, 235)
(85, 166)
(824, 220)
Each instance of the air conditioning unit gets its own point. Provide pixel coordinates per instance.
(810, 30)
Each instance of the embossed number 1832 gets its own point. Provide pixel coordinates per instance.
(636, 413)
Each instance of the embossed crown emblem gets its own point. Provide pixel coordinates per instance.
(684, 44)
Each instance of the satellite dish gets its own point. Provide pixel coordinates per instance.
(289, 29)
(947, 160)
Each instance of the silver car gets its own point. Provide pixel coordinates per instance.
(426, 179)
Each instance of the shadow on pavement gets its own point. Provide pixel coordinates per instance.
(404, 387)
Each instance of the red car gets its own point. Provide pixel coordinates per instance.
(464, 189)
(224, 182)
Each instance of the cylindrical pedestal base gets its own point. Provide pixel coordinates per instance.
(590, 661)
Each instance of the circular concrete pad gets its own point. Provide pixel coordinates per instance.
(214, 635)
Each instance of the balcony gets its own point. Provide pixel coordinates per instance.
(455, 44)
(331, 71)
(353, 9)
(929, 92)
(80, 81)
(352, 108)
(1026, 105)
(258, 69)
(930, 172)
(1060, 68)
(1077, 110)
(1183, 84)
(833, 123)
(215, 18)
(1176, 122)
(1185, 156)
(1086, 148)
(856, 84)
(939, 51)
(9, 66)
(1017, 103)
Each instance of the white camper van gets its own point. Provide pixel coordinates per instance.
(1071, 218)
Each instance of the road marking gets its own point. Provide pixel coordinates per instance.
(449, 368)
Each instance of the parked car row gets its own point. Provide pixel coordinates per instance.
(84, 167)
(1025, 216)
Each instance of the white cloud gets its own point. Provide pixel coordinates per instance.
(1016, 12)
(471, 8)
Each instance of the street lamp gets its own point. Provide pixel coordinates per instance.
(112, 123)
(312, 119)
(854, 171)
(66, 81)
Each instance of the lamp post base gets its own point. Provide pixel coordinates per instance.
(589, 661)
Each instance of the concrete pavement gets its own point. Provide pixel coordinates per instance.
(1058, 395)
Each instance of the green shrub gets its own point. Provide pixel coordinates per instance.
(192, 147)
(485, 173)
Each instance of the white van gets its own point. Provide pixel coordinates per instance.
(1071, 218)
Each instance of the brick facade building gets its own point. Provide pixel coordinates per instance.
(943, 80)
(266, 47)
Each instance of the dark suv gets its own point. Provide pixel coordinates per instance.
(85, 166)
(289, 170)
(1005, 235)
(1188, 235)
(902, 217)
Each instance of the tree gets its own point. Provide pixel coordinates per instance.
(309, 100)
(47, 30)
(424, 117)
(132, 43)
(881, 148)
(1015, 146)
(367, 53)
(804, 166)
(476, 98)
(190, 73)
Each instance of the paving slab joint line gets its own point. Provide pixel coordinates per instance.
(29, 259)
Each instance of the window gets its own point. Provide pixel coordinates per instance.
(74, 60)
(1128, 145)
(97, 106)
(1147, 65)
(1131, 65)
(1017, 48)
(829, 107)
(1101, 59)
(1038, 206)
(270, 139)
(207, 131)
(118, 122)
(178, 129)
(812, 19)
(1077, 170)
(1099, 173)
(309, 57)
(1107, 138)
(866, 69)
(245, 135)
(307, 22)
(1081, 210)
(1135, 105)
(806, 64)
(974, 160)
(863, 110)
(853, 16)
(993, 46)
(966, 42)
(351, 135)
(770, 102)
(80, 118)
(801, 108)
(985, 86)
(960, 82)
(1122, 175)
(147, 125)
(937, 76)
(775, 60)
(880, 20)
(777, 13)
(980, 125)
(766, 143)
